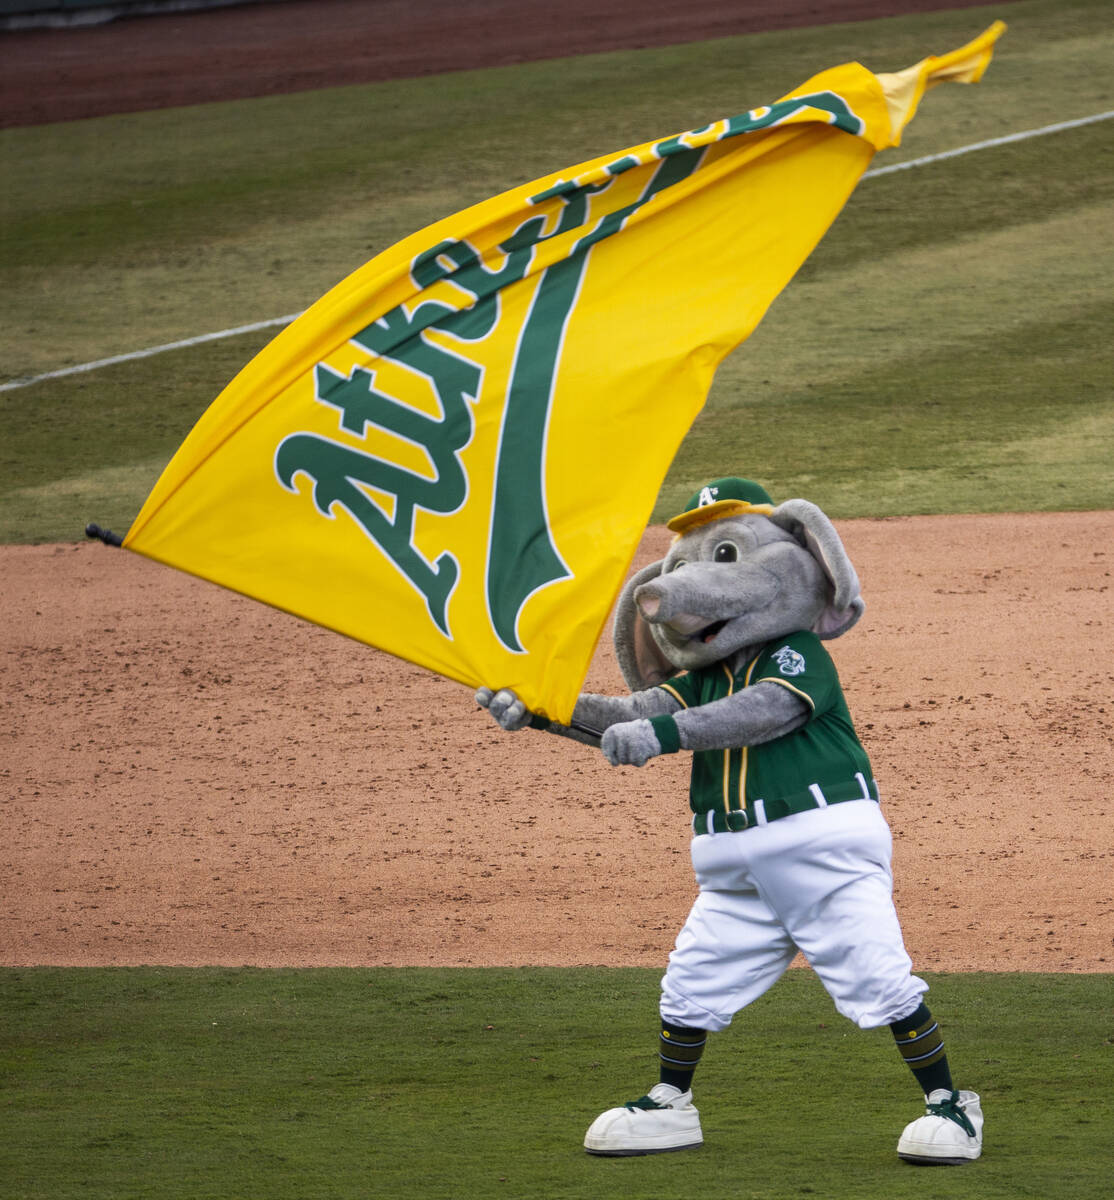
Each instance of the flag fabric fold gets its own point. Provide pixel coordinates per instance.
(452, 455)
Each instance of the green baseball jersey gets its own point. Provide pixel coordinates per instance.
(822, 762)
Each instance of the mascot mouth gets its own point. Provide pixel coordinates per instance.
(685, 632)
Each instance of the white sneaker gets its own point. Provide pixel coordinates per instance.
(663, 1120)
(950, 1132)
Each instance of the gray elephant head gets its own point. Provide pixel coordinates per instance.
(740, 573)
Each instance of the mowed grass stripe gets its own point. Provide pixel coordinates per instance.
(961, 429)
(897, 386)
(919, 301)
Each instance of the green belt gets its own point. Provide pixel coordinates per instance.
(762, 812)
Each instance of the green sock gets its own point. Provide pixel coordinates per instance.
(680, 1049)
(921, 1044)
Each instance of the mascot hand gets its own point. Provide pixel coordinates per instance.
(507, 709)
(630, 743)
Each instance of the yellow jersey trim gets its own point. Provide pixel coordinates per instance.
(786, 684)
(727, 749)
(743, 756)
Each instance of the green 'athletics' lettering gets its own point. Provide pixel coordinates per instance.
(338, 470)
(830, 102)
(522, 557)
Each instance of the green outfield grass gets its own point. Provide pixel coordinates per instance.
(945, 349)
(466, 1084)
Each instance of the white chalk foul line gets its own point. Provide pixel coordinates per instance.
(1059, 127)
(81, 368)
(131, 356)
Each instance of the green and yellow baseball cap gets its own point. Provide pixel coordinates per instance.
(728, 497)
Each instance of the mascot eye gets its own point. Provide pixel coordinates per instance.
(725, 552)
(678, 565)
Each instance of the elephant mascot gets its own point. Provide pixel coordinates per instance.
(722, 646)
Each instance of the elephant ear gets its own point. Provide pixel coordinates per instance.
(641, 661)
(817, 534)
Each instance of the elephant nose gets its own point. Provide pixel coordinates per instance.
(648, 604)
(657, 605)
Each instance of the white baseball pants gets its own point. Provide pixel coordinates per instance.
(818, 881)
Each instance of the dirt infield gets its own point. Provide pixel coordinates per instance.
(189, 777)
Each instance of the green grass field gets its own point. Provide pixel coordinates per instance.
(945, 349)
(468, 1084)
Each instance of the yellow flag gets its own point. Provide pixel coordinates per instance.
(453, 454)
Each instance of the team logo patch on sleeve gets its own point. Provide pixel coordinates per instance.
(789, 662)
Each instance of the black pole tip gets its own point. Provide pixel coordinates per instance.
(92, 530)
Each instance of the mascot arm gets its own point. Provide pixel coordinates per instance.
(633, 729)
(757, 714)
(601, 712)
(754, 715)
